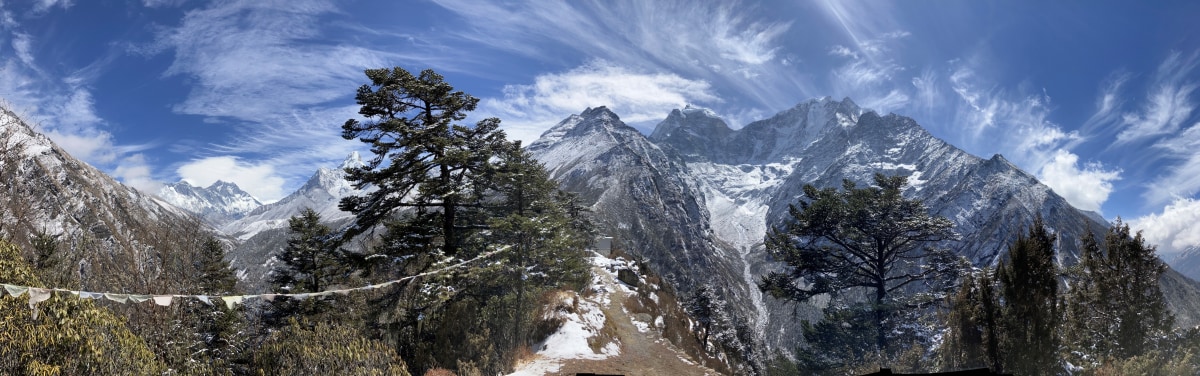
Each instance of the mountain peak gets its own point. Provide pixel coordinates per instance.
(218, 203)
(353, 160)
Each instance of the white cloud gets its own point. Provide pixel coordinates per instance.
(92, 146)
(928, 95)
(1175, 228)
(274, 74)
(1183, 178)
(133, 171)
(41, 6)
(1086, 187)
(257, 179)
(1168, 104)
(528, 110)
(162, 3)
(869, 74)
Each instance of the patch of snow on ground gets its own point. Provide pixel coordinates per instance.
(571, 340)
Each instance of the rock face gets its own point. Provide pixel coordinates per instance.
(696, 197)
(218, 204)
(101, 225)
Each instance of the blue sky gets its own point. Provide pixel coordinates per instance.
(1097, 99)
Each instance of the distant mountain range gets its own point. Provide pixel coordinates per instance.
(218, 203)
(695, 198)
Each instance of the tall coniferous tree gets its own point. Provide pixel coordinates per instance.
(311, 262)
(1031, 317)
(1116, 307)
(423, 159)
(868, 238)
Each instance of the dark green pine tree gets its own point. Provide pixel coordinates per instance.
(219, 327)
(707, 307)
(962, 346)
(311, 262)
(973, 325)
(1029, 291)
(868, 238)
(1116, 307)
(423, 159)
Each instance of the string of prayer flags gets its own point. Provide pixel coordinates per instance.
(119, 298)
(38, 294)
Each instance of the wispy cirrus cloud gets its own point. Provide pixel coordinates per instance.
(1019, 125)
(1182, 178)
(719, 43)
(268, 71)
(62, 107)
(1168, 102)
(249, 64)
(639, 98)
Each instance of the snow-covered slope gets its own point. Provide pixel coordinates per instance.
(1188, 262)
(218, 204)
(321, 193)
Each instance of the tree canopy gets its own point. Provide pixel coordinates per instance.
(423, 159)
(870, 238)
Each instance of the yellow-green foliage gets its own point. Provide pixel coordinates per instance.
(1152, 363)
(324, 349)
(69, 337)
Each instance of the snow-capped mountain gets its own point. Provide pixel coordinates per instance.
(264, 231)
(1187, 262)
(321, 193)
(218, 204)
(100, 224)
(696, 197)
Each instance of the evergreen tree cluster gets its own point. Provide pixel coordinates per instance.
(1015, 319)
(847, 250)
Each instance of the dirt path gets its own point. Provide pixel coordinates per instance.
(641, 353)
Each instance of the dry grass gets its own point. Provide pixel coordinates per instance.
(439, 372)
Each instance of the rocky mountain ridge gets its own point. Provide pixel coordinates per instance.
(219, 203)
(695, 198)
(101, 227)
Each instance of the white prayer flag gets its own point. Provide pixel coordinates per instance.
(163, 300)
(37, 295)
(119, 298)
(231, 301)
(15, 291)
